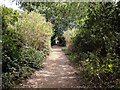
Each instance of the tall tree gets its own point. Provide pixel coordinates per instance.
(63, 15)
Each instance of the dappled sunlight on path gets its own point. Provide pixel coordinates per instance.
(57, 73)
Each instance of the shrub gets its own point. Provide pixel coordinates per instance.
(97, 45)
(18, 60)
(16, 70)
(12, 44)
(32, 57)
(36, 31)
(69, 38)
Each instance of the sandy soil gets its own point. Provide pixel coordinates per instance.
(58, 72)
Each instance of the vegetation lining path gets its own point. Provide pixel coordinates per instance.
(57, 73)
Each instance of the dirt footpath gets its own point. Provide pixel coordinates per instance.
(57, 73)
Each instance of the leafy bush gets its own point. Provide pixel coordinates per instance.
(12, 44)
(69, 37)
(31, 57)
(29, 61)
(36, 31)
(19, 60)
(9, 17)
(97, 44)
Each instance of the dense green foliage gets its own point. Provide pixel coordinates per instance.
(36, 31)
(92, 35)
(96, 45)
(69, 36)
(19, 57)
(62, 15)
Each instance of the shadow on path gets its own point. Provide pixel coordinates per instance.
(57, 73)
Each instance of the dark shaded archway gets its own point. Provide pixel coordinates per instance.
(58, 40)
